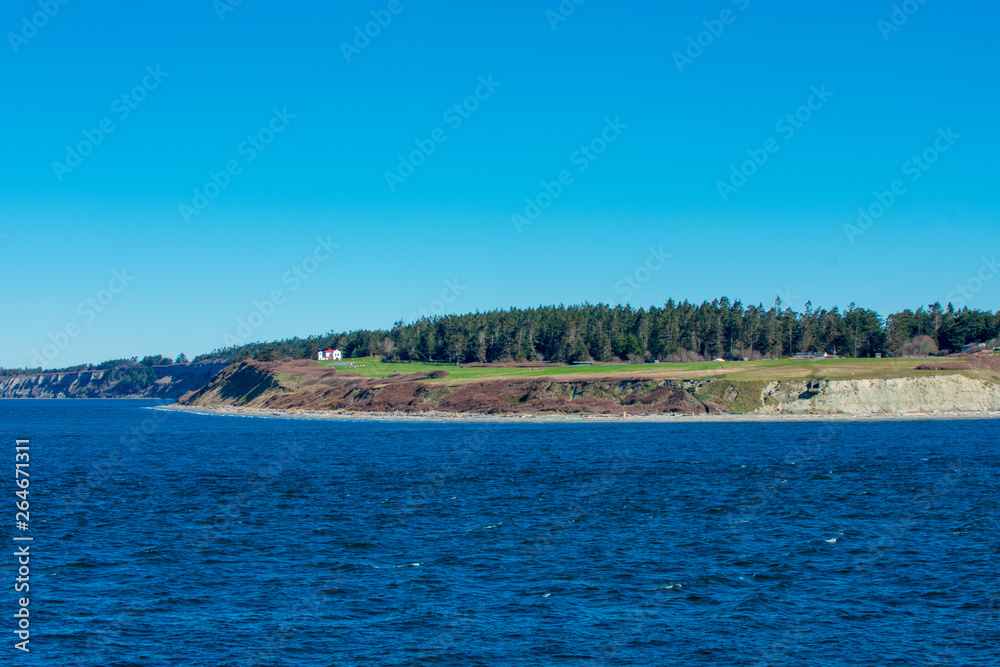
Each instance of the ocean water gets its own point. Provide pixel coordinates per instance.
(166, 538)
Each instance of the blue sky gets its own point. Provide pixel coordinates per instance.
(642, 138)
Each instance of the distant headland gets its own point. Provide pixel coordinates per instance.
(716, 358)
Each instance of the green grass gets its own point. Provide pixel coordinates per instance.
(752, 371)
(735, 396)
(375, 368)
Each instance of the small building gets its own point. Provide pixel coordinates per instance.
(330, 355)
(974, 347)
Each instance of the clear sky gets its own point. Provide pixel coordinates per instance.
(622, 122)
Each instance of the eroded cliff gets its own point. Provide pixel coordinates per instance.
(302, 385)
(158, 382)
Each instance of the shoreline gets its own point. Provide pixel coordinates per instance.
(518, 418)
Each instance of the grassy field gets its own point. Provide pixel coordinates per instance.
(751, 371)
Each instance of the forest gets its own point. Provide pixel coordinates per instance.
(140, 369)
(675, 332)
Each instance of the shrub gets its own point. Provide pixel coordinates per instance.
(921, 346)
(683, 357)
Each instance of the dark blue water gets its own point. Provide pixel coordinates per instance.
(177, 539)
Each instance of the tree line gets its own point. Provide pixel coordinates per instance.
(112, 364)
(674, 332)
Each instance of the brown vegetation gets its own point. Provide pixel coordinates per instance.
(303, 385)
(919, 346)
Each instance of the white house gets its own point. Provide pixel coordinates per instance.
(327, 355)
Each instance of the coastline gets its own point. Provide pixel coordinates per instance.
(470, 418)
